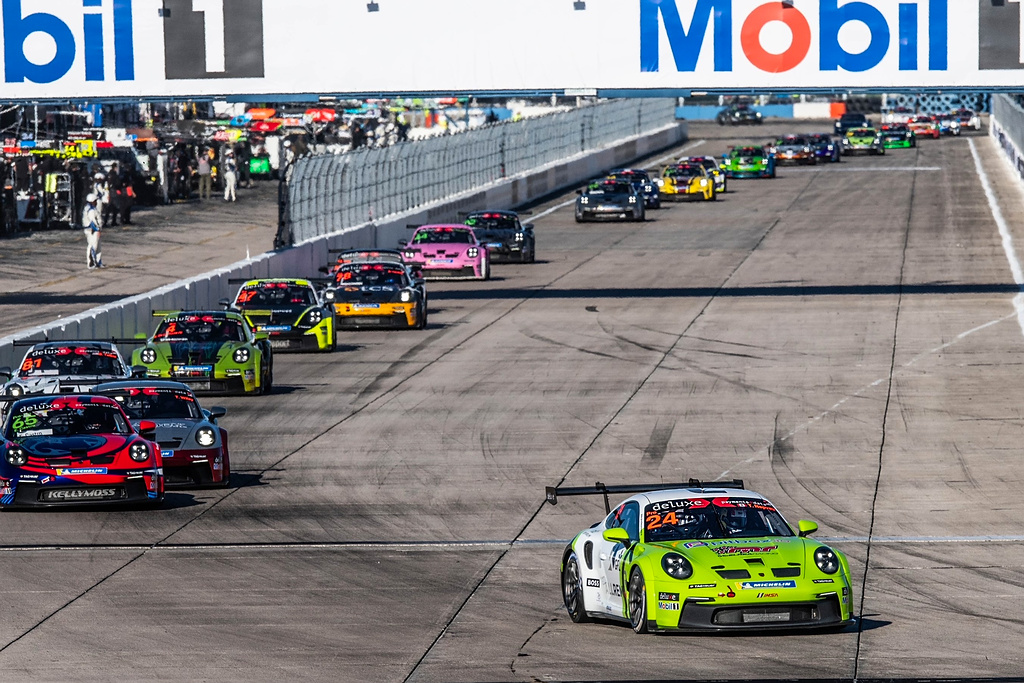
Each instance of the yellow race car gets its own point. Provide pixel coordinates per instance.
(377, 295)
(687, 180)
(289, 311)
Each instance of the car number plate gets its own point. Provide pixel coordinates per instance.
(280, 344)
(199, 386)
(166, 454)
(765, 617)
(275, 328)
(441, 261)
(495, 245)
(191, 370)
(365, 306)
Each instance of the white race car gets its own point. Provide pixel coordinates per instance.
(64, 368)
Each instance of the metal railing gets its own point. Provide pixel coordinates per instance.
(328, 193)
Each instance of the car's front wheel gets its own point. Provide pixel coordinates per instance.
(638, 601)
(572, 590)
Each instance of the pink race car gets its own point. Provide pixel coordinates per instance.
(450, 252)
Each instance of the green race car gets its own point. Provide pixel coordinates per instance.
(863, 141)
(748, 161)
(897, 136)
(213, 352)
(289, 311)
(701, 557)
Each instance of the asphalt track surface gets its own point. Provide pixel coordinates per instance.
(842, 338)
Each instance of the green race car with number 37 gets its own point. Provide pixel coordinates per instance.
(212, 352)
(701, 557)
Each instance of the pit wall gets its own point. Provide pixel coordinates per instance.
(1006, 125)
(128, 317)
(797, 110)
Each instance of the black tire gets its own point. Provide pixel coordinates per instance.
(579, 218)
(225, 482)
(638, 601)
(487, 269)
(267, 381)
(714, 193)
(572, 591)
(421, 318)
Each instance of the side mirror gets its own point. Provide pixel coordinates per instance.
(6, 374)
(139, 371)
(403, 243)
(528, 226)
(579, 191)
(618, 535)
(147, 430)
(217, 412)
(806, 527)
(226, 303)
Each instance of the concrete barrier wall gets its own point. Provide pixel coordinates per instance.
(1006, 125)
(128, 317)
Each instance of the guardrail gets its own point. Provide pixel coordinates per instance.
(328, 193)
(1006, 125)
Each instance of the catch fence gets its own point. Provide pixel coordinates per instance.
(328, 193)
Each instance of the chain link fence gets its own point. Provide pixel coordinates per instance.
(328, 193)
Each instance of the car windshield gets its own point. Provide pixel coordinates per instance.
(64, 417)
(275, 295)
(862, 133)
(199, 328)
(630, 175)
(853, 119)
(748, 152)
(611, 187)
(792, 140)
(684, 171)
(156, 404)
(70, 360)
(923, 119)
(443, 236)
(362, 256)
(371, 276)
(701, 518)
(492, 221)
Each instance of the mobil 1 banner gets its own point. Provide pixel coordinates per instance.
(93, 49)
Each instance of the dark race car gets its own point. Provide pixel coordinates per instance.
(897, 135)
(289, 311)
(64, 368)
(739, 114)
(362, 256)
(615, 199)
(504, 236)
(378, 295)
(850, 121)
(77, 450)
(825, 148)
(793, 149)
(193, 447)
(643, 183)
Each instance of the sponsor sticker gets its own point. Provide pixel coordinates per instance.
(767, 595)
(275, 328)
(823, 581)
(671, 597)
(74, 471)
(745, 550)
(670, 606)
(761, 585)
(593, 583)
(80, 494)
(703, 585)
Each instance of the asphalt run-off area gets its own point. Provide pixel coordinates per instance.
(846, 339)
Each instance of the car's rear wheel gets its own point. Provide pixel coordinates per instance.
(638, 601)
(572, 590)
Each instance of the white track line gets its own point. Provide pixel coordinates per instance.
(1004, 232)
(878, 169)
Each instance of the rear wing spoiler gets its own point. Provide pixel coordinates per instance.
(112, 340)
(551, 493)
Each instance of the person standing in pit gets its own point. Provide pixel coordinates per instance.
(205, 176)
(230, 178)
(92, 222)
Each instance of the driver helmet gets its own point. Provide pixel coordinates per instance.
(734, 520)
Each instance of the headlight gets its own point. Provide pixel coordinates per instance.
(16, 390)
(584, 200)
(472, 252)
(632, 200)
(677, 566)
(139, 452)
(703, 182)
(406, 295)
(757, 114)
(827, 560)
(831, 147)
(408, 254)
(16, 456)
(329, 295)
(241, 355)
(520, 237)
(659, 182)
(806, 150)
(315, 317)
(205, 437)
(148, 356)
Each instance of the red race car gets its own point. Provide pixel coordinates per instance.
(77, 450)
(925, 126)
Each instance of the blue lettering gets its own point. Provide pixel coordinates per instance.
(686, 47)
(908, 37)
(124, 41)
(938, 35)
(833, 18)
(17, 29)
(93, 28)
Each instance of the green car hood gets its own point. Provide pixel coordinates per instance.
(862, 140)
(756, 555)
(193, 353)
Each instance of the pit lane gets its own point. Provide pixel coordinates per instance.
(844, 341)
